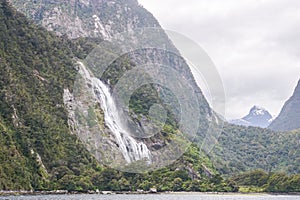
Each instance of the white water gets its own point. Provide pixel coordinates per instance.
(130, 148)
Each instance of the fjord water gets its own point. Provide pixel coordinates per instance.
(153, 197)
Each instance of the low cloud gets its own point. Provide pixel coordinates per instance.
(254, 44)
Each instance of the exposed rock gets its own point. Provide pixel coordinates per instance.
(69, 103)
(39, 161)
(87, 18)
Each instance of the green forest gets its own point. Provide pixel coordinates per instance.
(39, 152)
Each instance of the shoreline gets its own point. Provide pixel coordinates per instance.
(235, 193)
(65, 192)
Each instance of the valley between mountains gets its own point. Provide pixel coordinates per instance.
(62, 128)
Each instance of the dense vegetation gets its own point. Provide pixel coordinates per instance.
(260, 181)
(37, 150)
(241, 149)
(35, 67)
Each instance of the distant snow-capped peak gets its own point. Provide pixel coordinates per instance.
(258, 116)
(257, 110)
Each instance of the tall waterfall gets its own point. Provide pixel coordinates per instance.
(130, 148)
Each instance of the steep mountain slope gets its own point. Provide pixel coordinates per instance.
(289, 117)
(258, 117)
(234, 147)
(238, 148)
(35, 67)
(96, 18)
(87, 18)
(37, 148)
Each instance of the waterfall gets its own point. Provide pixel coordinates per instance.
(130, 148)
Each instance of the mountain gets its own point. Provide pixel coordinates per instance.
(258, 117)
(289, 117)
(39, 149)
(87, 18)
(44, 118)
(102, 20)
(36, 146)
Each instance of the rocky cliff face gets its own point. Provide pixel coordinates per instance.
(37, 105)
(289, 117)
(38, 151)
(104, 19)
(87, 18)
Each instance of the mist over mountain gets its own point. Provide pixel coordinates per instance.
(289, 117)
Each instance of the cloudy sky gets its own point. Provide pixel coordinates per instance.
(255, 45)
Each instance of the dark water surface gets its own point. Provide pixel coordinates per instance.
(153, 197)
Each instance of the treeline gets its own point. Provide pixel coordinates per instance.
(240, 149)
(260, 181)
(163, 180)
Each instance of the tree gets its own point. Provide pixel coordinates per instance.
(177, 184)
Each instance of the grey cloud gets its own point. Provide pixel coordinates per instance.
(254, 44)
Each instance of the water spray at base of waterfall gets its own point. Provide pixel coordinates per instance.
(131, 149)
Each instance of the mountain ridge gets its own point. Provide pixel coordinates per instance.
(258, 117)
(44, 128)
(89, 18)
(130, 16)
(289, 116)
(38, 149)
(205, 110)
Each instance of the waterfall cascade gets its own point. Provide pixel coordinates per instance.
(130, 148)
